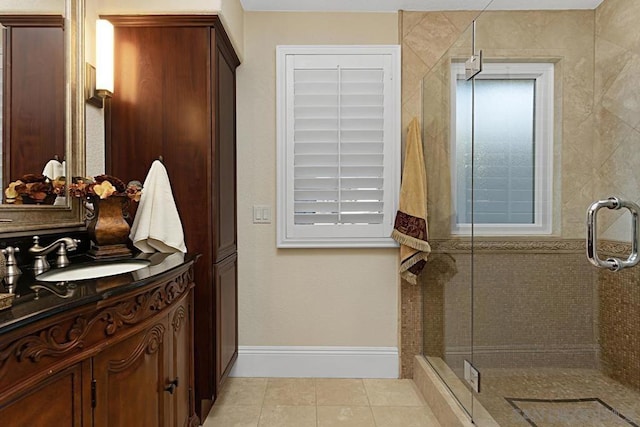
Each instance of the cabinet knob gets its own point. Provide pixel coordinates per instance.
(171, 387)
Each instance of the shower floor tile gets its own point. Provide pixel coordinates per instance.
(560, 412)
(557, 398)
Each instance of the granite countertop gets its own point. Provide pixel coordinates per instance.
(34, 302)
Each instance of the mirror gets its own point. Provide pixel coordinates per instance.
(57, 129)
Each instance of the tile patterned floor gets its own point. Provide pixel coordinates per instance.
(319, 402)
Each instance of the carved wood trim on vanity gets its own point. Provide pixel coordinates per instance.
(178, 319)
(150, 345)
(52, 343)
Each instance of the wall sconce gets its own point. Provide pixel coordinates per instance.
(99, 80)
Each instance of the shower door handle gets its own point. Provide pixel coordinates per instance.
(612, 263)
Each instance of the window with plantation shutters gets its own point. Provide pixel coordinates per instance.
(338, 145)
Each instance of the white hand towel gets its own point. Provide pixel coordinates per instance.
(157, 225)
(53, 169)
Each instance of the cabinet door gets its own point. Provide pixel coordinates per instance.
(181, 361)
(130, 377)
(61, 395)
(225, 151)
(226, 317)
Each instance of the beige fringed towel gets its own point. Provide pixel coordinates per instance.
(410, 229)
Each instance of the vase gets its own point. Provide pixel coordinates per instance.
(107, 224)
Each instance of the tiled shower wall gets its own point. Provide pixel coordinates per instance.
(516, 316)
(617, 107)
(619, 318)
(616, 164)
(430, 40)
(595, 128)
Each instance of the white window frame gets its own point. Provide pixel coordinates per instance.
(290, 235)
(543, 73)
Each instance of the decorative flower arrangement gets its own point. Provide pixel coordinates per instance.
(32, 188)
(104, 186)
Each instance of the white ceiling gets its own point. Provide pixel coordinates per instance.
(422, 5)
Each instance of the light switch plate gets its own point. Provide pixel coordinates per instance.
(261, 214)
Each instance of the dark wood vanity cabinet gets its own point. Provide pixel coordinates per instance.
(56, 401)
(127, 375)
(123, 361)
(175, 97)
(148, 374)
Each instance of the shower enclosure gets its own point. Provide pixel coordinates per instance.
(518, 324)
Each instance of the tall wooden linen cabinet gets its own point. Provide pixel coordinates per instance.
(174, 97)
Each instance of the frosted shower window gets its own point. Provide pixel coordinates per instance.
(513, 119)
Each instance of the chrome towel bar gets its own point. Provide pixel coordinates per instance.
(613, 264)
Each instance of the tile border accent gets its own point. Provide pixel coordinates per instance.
(528, 355)
(504, 245)
(615, 248)
(316, 362)
(522, 245)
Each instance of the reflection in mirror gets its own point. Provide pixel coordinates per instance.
(33, 118)
(2, 181)
(42, 110)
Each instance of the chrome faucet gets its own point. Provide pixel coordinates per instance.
(40, 263)
(12, 269)
(65, 292)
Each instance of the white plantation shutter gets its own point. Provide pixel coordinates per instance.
(338, 145)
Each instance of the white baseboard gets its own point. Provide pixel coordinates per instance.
(317, 362)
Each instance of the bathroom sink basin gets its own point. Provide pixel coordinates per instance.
(92, 270)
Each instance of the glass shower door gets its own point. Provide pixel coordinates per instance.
(446, 282)
(556, 341)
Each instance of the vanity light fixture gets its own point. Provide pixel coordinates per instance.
(99, 79)
(104, 54)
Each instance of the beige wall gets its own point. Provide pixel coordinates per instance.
(94, 117)
(289, 297)
(302, 297)
(232, 16)
(30, 6)
(159, 6)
